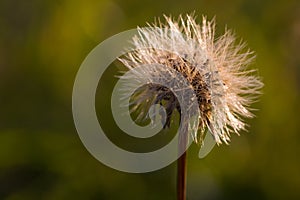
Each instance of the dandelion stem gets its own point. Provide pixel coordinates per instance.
(181, 167)
(181, 177)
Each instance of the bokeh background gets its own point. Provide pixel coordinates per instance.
(42, 44)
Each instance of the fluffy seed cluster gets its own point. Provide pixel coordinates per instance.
(216, 69)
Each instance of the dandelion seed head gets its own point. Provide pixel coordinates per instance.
(216, 69)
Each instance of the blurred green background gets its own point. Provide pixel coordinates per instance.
(42, 44)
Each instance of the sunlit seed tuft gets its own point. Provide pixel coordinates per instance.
(216, 69)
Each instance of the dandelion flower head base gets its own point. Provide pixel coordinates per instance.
(216, 70)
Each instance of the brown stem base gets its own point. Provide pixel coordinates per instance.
(181, 177)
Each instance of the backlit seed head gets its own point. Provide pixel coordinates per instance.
(215, 68)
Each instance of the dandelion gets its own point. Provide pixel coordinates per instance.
(216, 69)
